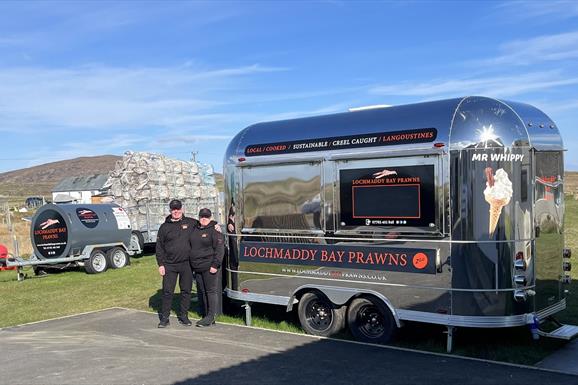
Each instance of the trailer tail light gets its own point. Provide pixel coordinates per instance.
(567, 266)
(520, 280)
(439, 145)
(520, 262)
(242, 159)
(567, 253)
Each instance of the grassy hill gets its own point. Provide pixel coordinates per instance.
(16, 185)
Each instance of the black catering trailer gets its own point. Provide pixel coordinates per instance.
(96, 236)
(448, 212)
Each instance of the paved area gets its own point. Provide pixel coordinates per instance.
(121, 346)
(564, 360)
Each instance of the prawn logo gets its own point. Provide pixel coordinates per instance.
(420, 261)
(87, 217)
(385, 172)
(49, 222)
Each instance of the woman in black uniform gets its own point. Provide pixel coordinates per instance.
(207, 250)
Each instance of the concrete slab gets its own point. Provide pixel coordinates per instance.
(564, 360)
(121, 346)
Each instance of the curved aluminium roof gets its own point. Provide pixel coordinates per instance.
(459, 123)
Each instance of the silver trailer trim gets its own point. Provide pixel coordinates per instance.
(466, 321)
(403, 315)
(261, 298)
(319, 156)
(489, 290)
(298, 235)
(547, 312)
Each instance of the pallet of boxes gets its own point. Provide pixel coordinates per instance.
(143, 184)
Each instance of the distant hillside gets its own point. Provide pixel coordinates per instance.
(55, 171)
(39, 180)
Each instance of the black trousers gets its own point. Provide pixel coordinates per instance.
(183, 272)
(207, 292)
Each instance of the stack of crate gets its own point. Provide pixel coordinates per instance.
(143, 183)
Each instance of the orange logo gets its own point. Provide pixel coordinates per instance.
(420, 261)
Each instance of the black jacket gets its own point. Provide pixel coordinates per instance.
(173, 244)
(207, 247)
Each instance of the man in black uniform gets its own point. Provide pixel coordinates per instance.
(172, 251)
(207, 249)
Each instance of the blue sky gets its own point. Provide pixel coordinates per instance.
(92, 78)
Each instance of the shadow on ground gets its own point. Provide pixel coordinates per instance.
(326, 361)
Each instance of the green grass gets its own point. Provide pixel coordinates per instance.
(73, 291)
(138, 287)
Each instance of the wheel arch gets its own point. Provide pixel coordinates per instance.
(341, 296)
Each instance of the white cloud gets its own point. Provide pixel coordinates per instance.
(111, 98)
(52, 25)
(557, 107)
(193, 138)
(538, 11)
(12, 40)
(558, 47)
(171, 144)
(113, 144)
(497, 86)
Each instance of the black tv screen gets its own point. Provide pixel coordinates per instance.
(388, 196)
(375, 201)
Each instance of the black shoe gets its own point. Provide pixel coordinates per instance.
(206, 321)
(185, 321)
(163, 324)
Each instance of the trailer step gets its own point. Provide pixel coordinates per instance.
(564, 332)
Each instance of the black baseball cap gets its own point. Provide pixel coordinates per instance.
(176, 204)
(205, 213)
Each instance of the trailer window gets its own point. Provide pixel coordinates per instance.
(283, 197)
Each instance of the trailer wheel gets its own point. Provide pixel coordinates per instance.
(369, 320)
(97, 262)
(137, 239)
(117, 258)
(319, 316)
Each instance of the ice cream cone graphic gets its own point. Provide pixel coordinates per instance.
(496, 206)
(498, 193)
